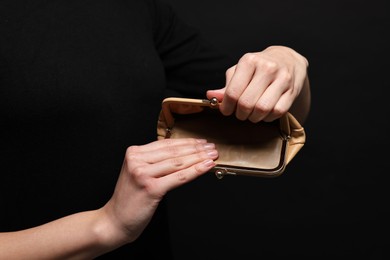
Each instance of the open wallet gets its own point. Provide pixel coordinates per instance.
(245, 148)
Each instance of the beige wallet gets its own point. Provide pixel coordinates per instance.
(252, 149)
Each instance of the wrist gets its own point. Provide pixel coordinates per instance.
(107, 231)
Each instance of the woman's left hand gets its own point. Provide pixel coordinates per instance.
(263, 85)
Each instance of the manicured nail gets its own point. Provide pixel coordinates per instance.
(209, 163)
(208, 146)
(212, 153)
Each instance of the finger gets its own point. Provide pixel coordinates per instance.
(181, 177)
(267, 102)
(281, 107)
(175, 164)
(219, 93)
(252, 94)
(176, 151)
(242, 76)
(156, 145)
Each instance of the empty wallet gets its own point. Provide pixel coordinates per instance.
(261, 149)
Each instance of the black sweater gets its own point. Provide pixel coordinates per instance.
(80, 81)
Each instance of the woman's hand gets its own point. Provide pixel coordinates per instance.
(264, 85)
(148, 173)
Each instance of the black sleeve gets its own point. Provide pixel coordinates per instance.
(192, 64)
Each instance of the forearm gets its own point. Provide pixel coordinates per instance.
(83, 235)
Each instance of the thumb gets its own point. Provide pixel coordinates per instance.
(217, 93)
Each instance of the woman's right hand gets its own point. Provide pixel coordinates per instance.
(148, 173)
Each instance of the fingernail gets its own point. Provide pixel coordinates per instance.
(209, 163)
(208, 146)
(201, 141)
(212, 153)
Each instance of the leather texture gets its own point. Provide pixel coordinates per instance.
(254, 149)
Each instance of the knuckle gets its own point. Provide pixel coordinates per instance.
(193, 141)
(286, 76)
(245, 105)
(202, 156)
(198, 170)
(198, 148)
(263, 106)
(181, 176)
(177, 161)
(131, 156)
(269, 67)
(232, 94)
(278, 112)
(230, 71)
(131, 150)
(137, 173)
(249, 58)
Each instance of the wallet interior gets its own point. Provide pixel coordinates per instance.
(243, 146)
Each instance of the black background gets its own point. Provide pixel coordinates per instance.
(331, 203)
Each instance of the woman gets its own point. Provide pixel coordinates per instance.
(81, 87)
